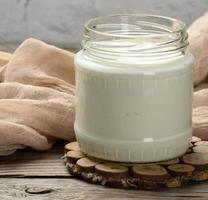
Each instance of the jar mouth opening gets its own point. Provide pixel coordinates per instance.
(134, 25)
(139, 36)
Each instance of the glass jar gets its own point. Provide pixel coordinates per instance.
(134, 88)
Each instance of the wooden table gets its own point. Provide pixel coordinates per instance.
(28, 174)
(32, 175)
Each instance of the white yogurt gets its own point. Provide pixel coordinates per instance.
(133, 109)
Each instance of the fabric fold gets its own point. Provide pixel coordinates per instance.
(36, 97)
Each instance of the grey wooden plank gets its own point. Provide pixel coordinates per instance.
(29, 163)
(69, 188)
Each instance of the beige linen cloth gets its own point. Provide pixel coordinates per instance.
(37, 92)
(36, 97)
(198, 39)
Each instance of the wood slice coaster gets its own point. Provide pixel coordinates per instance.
(190, 167)
(72, 146)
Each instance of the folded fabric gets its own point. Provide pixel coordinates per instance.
(198, 39)
(36, 97)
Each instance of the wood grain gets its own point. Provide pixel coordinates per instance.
(68, 188)
(49, 179)
(29, 163)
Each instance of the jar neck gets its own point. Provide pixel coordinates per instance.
(134, 37)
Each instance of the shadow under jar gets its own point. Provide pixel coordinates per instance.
(134, 88)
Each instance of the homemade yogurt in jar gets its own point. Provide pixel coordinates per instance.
(134, 88)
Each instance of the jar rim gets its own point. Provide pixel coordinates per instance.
(139, 36)
(178, 27)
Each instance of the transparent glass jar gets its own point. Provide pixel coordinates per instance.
(134, 88)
